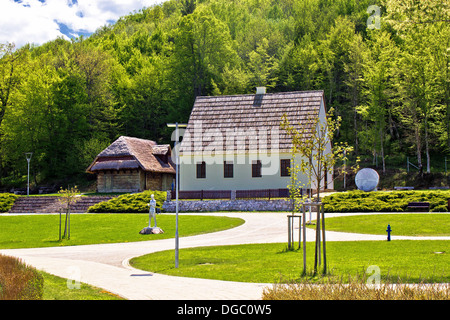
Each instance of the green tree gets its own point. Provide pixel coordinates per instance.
(187, 6)
(13, 66)
(203, 50)
(334, 55)
(417, 23)
(262, 66)
(353, 69)
(378, 89)
(25, 126)
(10, 73)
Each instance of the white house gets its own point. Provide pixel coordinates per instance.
(236, 143)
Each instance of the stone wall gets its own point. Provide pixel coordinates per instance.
(228, 205)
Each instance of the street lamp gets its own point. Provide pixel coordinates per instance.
(177, 182)
(28, 156)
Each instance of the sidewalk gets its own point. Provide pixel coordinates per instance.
(106, 265)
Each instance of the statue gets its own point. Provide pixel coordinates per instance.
(152, 214)
(152, 211)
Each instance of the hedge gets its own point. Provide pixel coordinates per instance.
(6, 201)
(130, 203)
(19, 281)
(385, 201)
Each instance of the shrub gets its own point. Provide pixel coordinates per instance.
(19, 281)
(380, 201)
(357, 289)
(6, 201)
(130, 203)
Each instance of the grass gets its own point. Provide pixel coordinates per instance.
(269, 263)
(55, 288)
(357, 289)
(402, 224)
(18, 281)
(34, 231)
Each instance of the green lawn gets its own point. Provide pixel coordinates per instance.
(33, 231)
(402, 224)
(55, 288)
(411, 260)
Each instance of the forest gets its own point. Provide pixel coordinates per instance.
(384, 67)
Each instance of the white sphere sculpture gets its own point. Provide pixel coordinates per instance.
(367, 179)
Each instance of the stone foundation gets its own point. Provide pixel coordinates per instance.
(228, 205)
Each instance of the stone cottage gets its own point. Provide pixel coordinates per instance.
(133, 165)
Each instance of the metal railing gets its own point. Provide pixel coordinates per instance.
(239, 194)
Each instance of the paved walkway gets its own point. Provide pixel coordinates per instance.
(106, 265)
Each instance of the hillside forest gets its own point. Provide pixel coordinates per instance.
(384, 67)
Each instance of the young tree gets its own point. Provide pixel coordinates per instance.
(68, 197)
(313, 143)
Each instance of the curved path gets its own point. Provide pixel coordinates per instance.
(106, 265)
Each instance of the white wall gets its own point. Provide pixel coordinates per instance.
(242, 173)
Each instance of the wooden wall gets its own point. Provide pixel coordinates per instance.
(119, 181)
(132, 181)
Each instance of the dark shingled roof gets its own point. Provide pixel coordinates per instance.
(134, 153)
(214, 121)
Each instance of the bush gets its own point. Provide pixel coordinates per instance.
(357, 289)
(130, 203)
(6, 201)
(380, 201)
(19, 281)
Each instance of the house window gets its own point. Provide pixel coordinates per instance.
(228, 169)
(285, 165)
(201, 170)
(256, 169)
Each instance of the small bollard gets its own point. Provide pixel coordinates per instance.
(389, 232)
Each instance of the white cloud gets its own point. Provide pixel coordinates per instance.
(38, 21)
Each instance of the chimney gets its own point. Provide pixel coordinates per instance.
(260, 90)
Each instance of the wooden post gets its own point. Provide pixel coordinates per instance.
(60, 212)
(317, 248)
(291, 222)
(304, 240)
(299, 232)
(68, 210)
(323, 236)
(289, 232)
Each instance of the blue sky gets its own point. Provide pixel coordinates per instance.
(39, 21)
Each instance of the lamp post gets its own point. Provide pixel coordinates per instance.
(28, 155)
(177, 182)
